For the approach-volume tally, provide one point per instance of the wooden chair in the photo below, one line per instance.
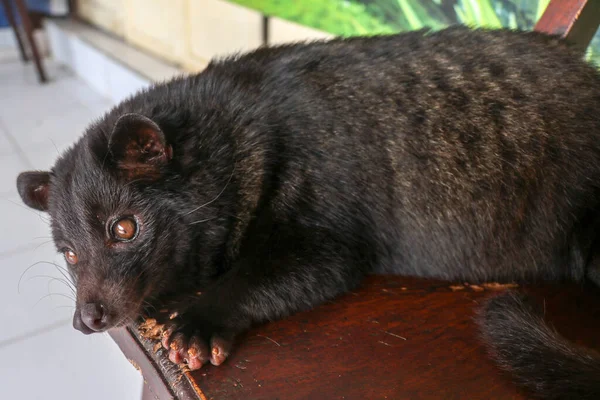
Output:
(394, 338)
(575, 20)
(25, 18)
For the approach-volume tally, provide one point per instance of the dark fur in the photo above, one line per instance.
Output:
(535, 354)
(295, 171)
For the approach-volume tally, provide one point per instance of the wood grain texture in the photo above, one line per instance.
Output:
(392, 338)
(575, 20)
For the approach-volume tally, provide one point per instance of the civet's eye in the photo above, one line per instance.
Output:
(124, 229)
(71, 257)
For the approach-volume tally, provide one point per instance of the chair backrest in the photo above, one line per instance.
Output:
(575, 20)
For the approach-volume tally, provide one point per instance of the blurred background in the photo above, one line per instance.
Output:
(93, 54)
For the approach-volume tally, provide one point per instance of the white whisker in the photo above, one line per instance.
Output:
(202, 220)
(215, 199)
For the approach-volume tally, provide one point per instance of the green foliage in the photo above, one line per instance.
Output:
(345, 18)
(417, 15)
(477, 13)
(593, 52)
(367, 17)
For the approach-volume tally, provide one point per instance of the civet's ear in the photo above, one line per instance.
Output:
(138, 147)
(34, 187)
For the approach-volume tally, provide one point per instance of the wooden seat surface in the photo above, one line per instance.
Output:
(395, 338)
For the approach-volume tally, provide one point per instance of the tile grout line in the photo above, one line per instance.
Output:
(31, 334)
(76, 77)
(19, 249)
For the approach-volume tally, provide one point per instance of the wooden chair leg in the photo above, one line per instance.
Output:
(8, 10)
(265, 30)
(72, 4)
(575, 20)
(26, 21)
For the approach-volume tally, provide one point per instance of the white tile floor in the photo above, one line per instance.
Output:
(41, 355)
